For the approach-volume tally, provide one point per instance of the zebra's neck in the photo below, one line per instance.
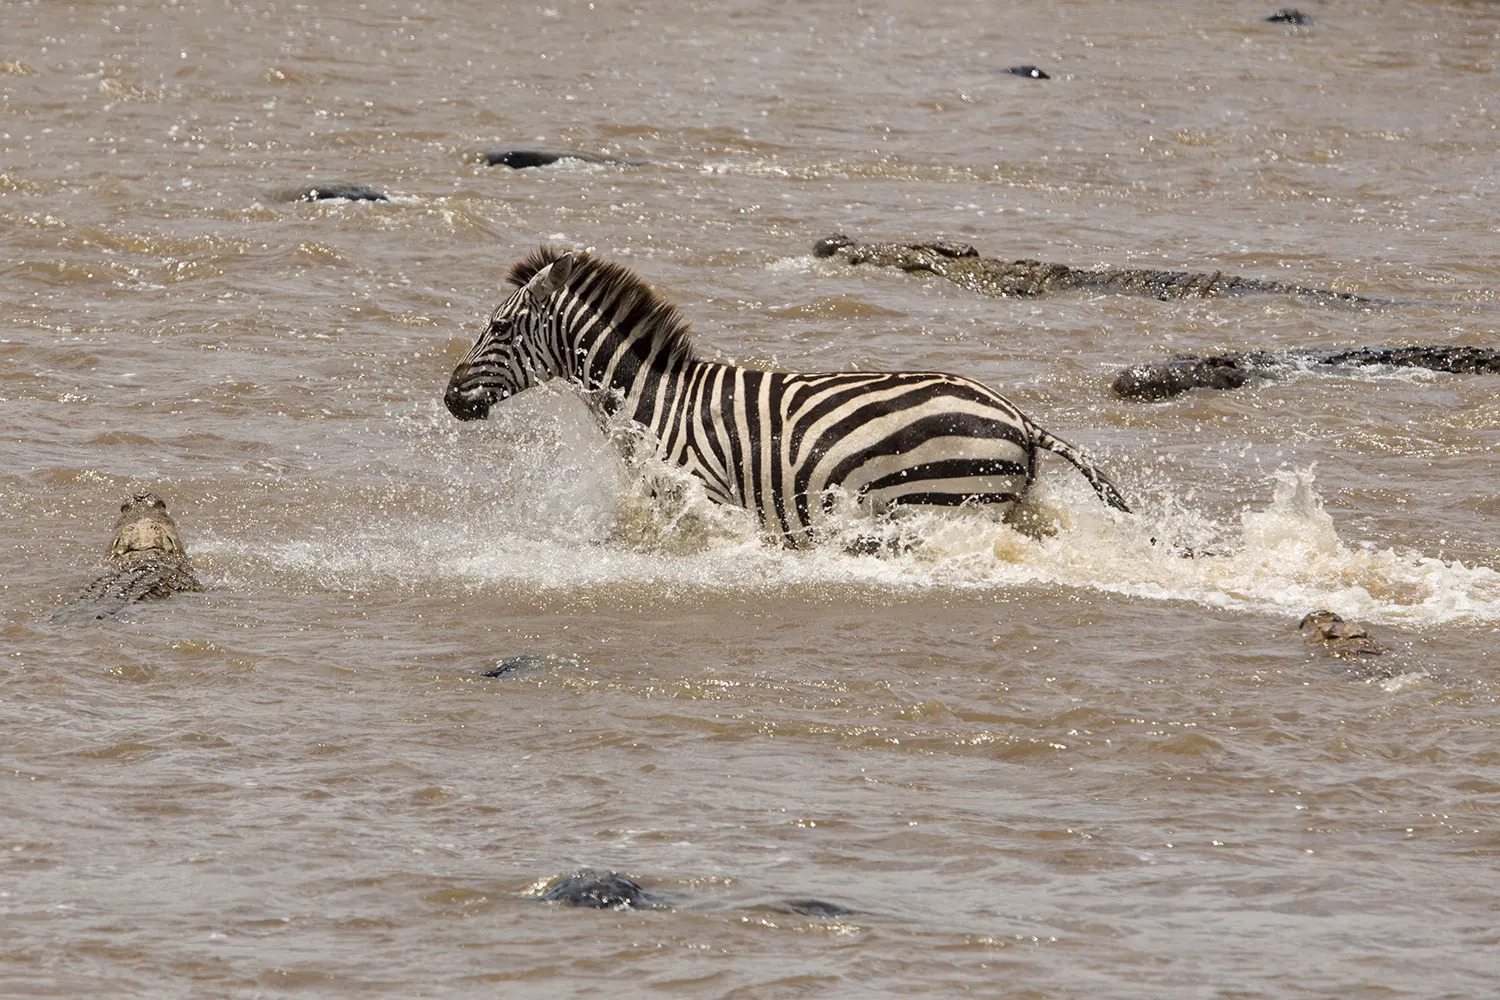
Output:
(625, 369)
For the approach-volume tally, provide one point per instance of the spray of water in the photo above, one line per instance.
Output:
(559, 510)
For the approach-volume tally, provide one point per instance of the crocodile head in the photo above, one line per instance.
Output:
(144, 526)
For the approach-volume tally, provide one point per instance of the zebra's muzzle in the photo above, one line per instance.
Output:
(466, 404)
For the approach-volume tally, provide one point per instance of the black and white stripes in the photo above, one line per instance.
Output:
(779, 443)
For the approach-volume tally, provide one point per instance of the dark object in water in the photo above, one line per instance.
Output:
(1148, 383)
(347, 192)
(510, 665)
(1151, 382)
(601, 890)
(961, 264)
(526, 662)
(147, 561)
(1292, 16)
(520, 159)
(596, 889)
(1030, 72)
(809, 907)
(1326, 632)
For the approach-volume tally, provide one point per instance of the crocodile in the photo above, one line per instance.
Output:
(1349, 644)
(1165, 379)
(601, 890)
(1326, 632)
(809, 907)
(518, 158)
(598, 889)
(962, 264)
(520, 663)
(147, 561)
(1291, 16)
(339, 192)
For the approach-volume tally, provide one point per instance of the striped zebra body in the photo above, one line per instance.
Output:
(781, 444)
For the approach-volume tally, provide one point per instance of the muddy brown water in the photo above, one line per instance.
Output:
(1058, 764)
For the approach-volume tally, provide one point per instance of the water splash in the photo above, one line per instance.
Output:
(1287, 556)
(611, 526)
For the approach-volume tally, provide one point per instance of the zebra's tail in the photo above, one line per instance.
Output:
(1099, 481)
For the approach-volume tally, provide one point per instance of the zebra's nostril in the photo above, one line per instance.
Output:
(466, 406)
(472, 404)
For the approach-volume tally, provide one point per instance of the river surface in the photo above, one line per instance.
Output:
(1056, 762)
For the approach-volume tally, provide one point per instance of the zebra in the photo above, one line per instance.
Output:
(782, 444)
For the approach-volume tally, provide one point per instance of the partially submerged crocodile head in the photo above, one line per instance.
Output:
(145, 532)
(1329, 633)
(146, 559)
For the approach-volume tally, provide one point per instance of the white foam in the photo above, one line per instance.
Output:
(565, 516)
(1288, 556)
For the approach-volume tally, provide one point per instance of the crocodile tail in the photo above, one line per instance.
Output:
(1107, 490)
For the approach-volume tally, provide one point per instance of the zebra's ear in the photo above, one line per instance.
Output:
(550, 278)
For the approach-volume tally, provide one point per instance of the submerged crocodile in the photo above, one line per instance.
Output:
(1326, 632)
(1292, 16)
(1149, 382)
(601, 890)
(146, 561)
(961, 264)
(1348, 643)
(337, 192)
(596, 889)
(521, 158)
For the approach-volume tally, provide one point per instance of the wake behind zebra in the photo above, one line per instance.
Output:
(784, 445)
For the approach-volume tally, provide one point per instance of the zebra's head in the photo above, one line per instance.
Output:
(514, 352)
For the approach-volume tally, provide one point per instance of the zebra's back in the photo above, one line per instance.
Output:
(784, 444)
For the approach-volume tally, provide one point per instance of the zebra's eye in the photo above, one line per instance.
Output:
(505, 330)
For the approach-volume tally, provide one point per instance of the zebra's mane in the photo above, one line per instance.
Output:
(637, 305)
